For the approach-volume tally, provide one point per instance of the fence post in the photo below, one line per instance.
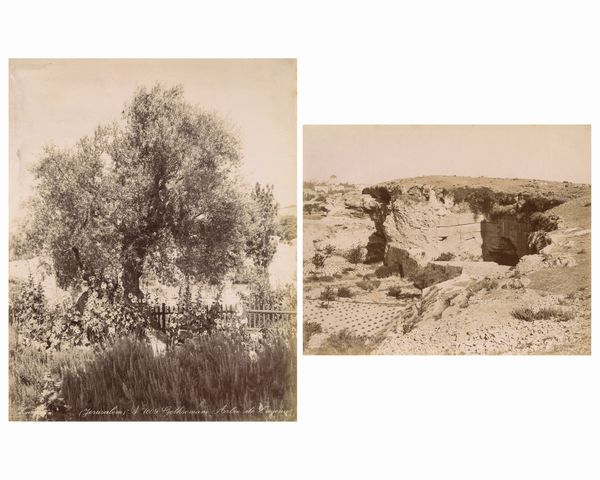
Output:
(163, 316)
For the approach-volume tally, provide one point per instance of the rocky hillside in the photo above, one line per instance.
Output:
(445, 214)
(504, 264)
(463, 265)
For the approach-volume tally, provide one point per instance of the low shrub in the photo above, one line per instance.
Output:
(547, 313)
(318, 260)
(543, 221)
(345, 292)
(538, 203)
(394, 291)
(328, 294)
(309, 329)
(500, 211)
(445, 257)
(354, 254)
(368, 284)
(384, 271)
(345, 342)
(479, 199)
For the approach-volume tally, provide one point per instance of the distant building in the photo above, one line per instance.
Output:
(333, 180)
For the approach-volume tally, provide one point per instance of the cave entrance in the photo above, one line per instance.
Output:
(506, 253)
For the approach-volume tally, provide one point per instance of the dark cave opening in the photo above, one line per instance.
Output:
(503, 253)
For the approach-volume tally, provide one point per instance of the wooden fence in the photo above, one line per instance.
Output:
(257, 317)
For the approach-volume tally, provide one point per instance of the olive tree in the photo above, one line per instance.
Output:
(157, 192)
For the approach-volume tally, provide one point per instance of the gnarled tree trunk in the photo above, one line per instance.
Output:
(131, 280)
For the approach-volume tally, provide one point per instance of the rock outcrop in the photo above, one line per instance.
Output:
(413, 264)
(423, 218)
(461, 216)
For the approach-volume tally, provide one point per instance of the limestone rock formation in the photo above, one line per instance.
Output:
(408, 262)
(496, 220)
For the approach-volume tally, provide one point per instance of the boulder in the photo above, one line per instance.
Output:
(516, 283)
(530, 263)
(409, 262)
(409, 293)
(477, 269)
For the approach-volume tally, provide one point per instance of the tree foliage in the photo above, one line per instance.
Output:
(261, 245)
(156, 191)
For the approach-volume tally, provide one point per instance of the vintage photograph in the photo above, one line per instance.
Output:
(152, 262)
(447, 239)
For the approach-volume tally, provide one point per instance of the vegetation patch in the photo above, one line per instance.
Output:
(385, 271)
(394, 291)
(354, 254)
(543, 221)
(345, 292)
(287, 227)
(548, 313)
(201, 376)
(345, 342)
(327, 295)
(368, 284)
(309, 329)
(445, 257)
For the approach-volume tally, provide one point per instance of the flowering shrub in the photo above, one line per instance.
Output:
(62, 326)
(191, 319)
(29, 311)
(106, 322)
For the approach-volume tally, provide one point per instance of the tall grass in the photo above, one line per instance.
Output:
(31, 370)
(27, 370)
(214, 377)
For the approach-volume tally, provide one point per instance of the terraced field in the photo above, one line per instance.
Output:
(361, 318)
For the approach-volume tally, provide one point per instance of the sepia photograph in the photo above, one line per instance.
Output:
(152, 240)
(447, 240)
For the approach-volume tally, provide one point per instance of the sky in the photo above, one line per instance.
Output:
(376, 153)
(59, 101)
